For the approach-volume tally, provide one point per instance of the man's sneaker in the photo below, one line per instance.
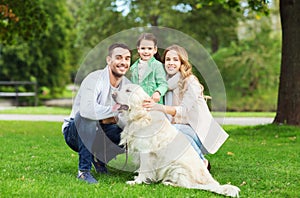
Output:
(100, 167)
(87, 177)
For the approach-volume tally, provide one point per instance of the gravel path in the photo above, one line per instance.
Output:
(59, 118)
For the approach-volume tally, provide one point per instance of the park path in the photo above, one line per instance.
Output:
(244, 121)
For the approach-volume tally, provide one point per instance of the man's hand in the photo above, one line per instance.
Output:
(111, 120)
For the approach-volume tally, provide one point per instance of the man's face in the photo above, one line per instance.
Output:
(119, 61)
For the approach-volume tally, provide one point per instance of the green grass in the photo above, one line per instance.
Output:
(244, 114)
(263, 161)
(40, 110)
(66, 111)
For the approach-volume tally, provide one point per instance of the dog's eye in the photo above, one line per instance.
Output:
(128, 90)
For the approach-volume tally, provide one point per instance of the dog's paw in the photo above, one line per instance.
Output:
(230, 190)
(148, 180)
(168, 183)
(133, 182)
(136, 181)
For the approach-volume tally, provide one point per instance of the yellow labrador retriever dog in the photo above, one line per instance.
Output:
(165, 155)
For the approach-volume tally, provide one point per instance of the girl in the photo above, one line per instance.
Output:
(147, 71)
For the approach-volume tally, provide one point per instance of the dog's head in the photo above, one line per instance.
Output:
(130, 98)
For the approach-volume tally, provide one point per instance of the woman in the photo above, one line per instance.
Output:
(186, 106)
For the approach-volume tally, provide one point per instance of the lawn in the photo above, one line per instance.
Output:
(40, 110)
(263, 161)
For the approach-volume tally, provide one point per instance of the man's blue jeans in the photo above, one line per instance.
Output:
(92, 140)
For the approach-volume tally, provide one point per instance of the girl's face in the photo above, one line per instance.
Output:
(146, 50)
(172, 62)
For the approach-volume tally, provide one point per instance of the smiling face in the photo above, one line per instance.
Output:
(146, 49)
(172, 62)
(119, 61)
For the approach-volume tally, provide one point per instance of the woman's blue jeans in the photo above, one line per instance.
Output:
(192, 137)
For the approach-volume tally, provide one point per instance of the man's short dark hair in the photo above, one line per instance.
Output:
(116, 45)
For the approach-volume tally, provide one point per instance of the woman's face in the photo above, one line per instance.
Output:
(172, 62)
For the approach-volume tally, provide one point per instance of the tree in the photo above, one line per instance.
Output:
(214, 25)
(96, 21)
(288, 107)
(43, 54)
(250, 68)
(24, 20)
(189, 17)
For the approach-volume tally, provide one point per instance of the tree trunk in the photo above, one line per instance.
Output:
(288, 108)
(214, 43)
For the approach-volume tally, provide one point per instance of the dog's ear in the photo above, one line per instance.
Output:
(136, 110)
(137, 97)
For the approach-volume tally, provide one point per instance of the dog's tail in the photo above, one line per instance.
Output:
(227, 189)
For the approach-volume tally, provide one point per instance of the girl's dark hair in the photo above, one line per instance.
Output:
(149, 37)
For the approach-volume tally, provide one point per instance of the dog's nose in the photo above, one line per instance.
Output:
(114, 95)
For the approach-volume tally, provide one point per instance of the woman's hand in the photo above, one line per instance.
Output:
(150, 105)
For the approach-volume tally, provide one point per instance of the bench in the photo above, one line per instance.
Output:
(206, 98)
(18, 93)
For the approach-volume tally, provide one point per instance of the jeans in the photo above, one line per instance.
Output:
(92, 141)
(192, 137)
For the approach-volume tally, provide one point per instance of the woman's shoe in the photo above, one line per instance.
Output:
(208, 166)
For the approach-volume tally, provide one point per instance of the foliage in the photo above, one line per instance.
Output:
(45, 59)
(255, 5)
(250, 70)
(96, 21)
(213, 25)
(21, 19)
(249, 159)
(93, 27)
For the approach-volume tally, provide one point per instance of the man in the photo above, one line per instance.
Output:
(92, 129)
